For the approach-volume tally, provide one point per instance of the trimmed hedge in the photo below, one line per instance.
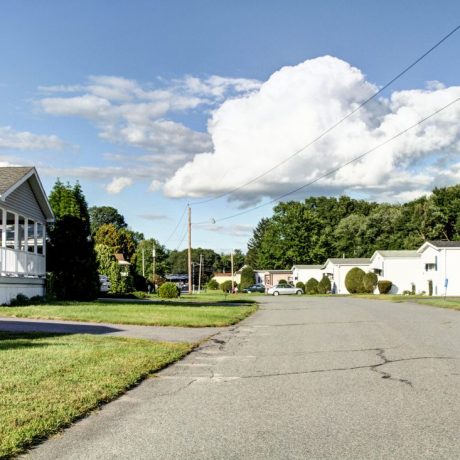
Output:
(300, 285)
(354, 281)
(324, 286)
(168, 291)
(384, 286)
(226, 286)
(248, 277)
(282, 282)
(370, 282)
(311, 287)
(212, 284)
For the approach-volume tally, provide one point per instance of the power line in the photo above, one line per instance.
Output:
(328, 130)
(334, 170)
(177, 225)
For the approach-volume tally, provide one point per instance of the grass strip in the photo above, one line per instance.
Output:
(48, 381)
(135, 313)
(452, 303)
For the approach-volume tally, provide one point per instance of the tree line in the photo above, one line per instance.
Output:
(311, 231)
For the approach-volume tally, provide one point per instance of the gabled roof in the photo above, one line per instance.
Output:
(444, 244)
(402, 253)
(349, 261)
(12, 177)
(121, 259)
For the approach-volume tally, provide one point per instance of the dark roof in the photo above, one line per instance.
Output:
(9, 175)
(445, 244)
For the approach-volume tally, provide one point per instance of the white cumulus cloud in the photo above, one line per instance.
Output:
(257, 131)
(24, 140)
(118, 184)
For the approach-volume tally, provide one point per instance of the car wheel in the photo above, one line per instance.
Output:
(299, 292)
(276, 293)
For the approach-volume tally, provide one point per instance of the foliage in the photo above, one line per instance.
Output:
(226, 286)
(282, 282)
(169, 291)
(384, 286)
(224, 264)
(324, 286)
(300, 285)
(144, 251)
(311, 287)
(72, 260)
(248, 277)
(311, 231)
(370, 282)
(101, 215)
(212, 284)
(354, 281)
(121, 241)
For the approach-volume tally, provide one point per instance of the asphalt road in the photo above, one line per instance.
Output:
(304, 378)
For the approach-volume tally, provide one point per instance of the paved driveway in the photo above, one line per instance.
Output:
(334, 378)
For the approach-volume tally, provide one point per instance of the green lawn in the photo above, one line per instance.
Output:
(47, 381)
(150, 314)
(450, 302)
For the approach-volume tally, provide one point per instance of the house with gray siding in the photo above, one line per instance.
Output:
(24, 213)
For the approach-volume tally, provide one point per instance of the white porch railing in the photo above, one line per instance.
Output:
(20, 263)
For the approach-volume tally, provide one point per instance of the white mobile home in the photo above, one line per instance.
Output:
(336, 270)
(440, 265)
(402, 268)
(305, 272)
(24, 212)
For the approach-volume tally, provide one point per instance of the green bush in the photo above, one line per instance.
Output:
(212, 284)
(412, 290)
(370, 282)
(311, 287)
(324, 286)
(20, 300)
(354, 281)
(384, 286)
(282, 282)
(226, 286)
(169, 291)
(300, 285)
(248, 277)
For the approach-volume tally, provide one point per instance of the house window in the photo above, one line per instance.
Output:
(430, 267)
(40, 237)
(30, 235)
(21, 233)
(10, 230)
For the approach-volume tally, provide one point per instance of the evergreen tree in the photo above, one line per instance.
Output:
(71, 259)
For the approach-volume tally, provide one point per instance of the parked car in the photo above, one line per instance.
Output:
(282, 289)
(255, 288)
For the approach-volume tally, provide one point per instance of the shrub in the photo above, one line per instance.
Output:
(300, 285)
(248, 277)
(20, 300)
(412, 288)
(354, 281)
(212, 284)
(312, 286)
(226, 286)
(36, 300)
(370, 282)
(169, 291)
(282, 282)
(140, 294)
(324, 286)
(384, 286)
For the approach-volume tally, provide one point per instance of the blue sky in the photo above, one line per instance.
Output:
(150, 104)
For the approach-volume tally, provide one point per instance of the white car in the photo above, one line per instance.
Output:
(281, 289)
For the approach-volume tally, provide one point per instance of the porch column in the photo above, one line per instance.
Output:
(16, 241)
(3, 242)
(26, 243)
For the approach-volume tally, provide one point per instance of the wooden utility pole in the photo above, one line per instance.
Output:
(143, 263)
(154, 255)
(199, 274)
(190, 281)
(231, 264)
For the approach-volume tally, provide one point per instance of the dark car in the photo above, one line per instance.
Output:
(255, 288)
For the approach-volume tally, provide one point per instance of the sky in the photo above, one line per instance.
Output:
(152, 105)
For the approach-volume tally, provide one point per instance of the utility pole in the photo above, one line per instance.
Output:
(190, 280)
(154, 254)
(231, 264)
(199, 274)
(143, 263)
